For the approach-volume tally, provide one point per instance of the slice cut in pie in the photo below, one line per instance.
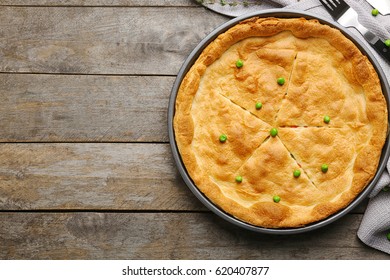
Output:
(260, 184)
(323, 85)
(262, 65)
(334, 148)
(276, 119)
(224, 135)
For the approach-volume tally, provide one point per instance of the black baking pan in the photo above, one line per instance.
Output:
(171, 112)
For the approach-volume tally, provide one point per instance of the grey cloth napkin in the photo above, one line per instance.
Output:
(375, 224)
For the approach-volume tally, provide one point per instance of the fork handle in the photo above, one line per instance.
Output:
(367, 34)
(382, 49)
(374, 41)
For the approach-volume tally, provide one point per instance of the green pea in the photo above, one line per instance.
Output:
(273, 132)
(276, 198)
(388, 236)
(324, 168)
(326, 119)
(239, 63)
(374, 12)
(386, 189)
(238, 179)
(297, 173)
(281, 81)
(387, 43)
(259, 105)
(222, 138)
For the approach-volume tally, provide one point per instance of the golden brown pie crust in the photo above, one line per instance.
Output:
(325, 74)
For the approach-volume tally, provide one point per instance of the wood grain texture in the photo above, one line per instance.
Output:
(84, 84)
(168, 236)
(91, 176)
(94, 3)
(92, 40)
(83, 108)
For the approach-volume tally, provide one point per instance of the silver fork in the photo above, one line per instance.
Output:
(348, 17)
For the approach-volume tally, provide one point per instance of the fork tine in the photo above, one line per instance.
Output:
(341, 4)
(335, 7)
(327, 5)
(333, 3)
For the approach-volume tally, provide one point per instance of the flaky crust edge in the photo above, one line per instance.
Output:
(274, 215)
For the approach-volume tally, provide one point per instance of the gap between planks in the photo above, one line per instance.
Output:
(99, 3)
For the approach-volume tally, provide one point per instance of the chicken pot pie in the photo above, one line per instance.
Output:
(281, 122)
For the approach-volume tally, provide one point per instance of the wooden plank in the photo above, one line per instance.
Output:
(83, 108)
(91, 176)
(96, 40)
(94, 3)
(168, 236)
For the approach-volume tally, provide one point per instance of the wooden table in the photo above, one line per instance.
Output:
(86, 170)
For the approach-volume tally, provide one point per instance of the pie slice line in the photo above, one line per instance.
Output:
(300, 162)
(297, 162)
(291, 154)
(254, 151)
(300, 165)
(254, 86)
(288, 85)
(244, 109)
(252, 192)
(342, 162)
